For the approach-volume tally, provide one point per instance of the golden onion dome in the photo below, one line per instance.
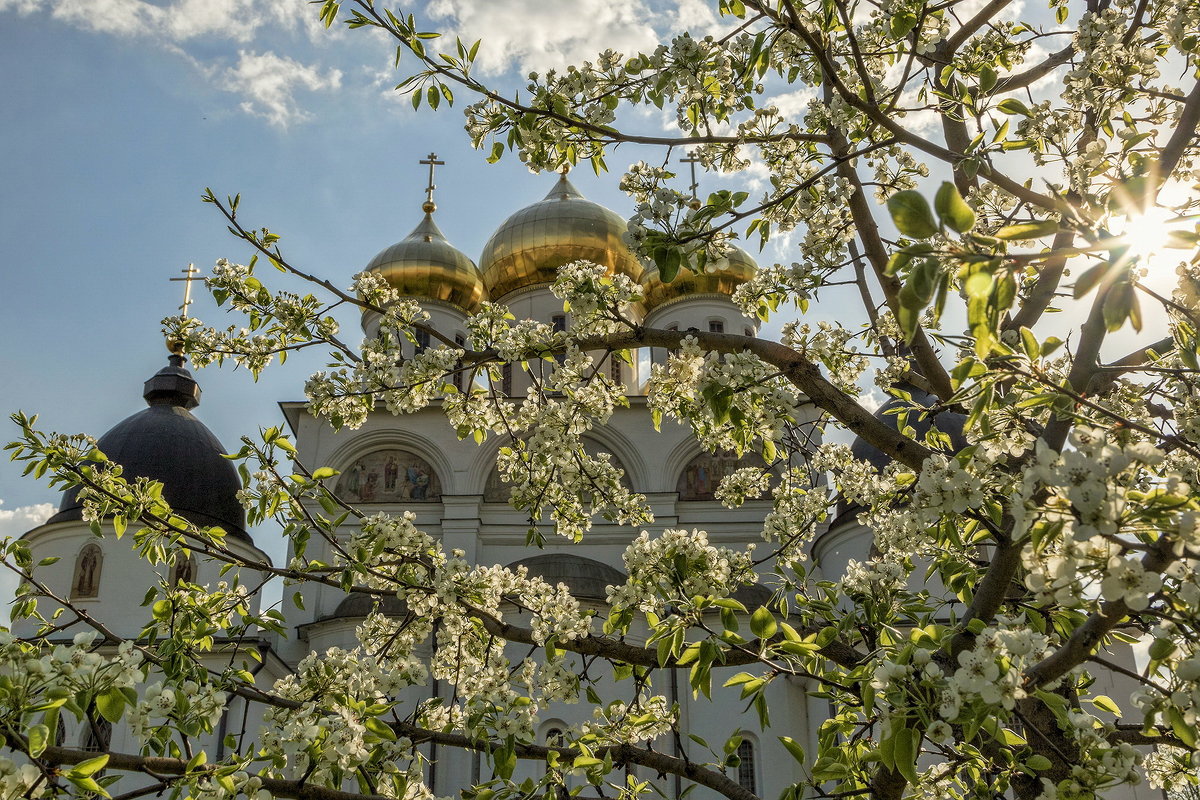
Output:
(533, 243)
(426, 266)
(721, 278)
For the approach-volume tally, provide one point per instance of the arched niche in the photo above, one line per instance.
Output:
(702, 475)
(389, 475)
(496, 490)
(85, 582)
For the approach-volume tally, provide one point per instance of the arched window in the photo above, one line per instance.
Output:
(746, 767)
(614, 365)
(97, 734)
(716, 326)
(86, 582)
(184, 570)
(506, 379)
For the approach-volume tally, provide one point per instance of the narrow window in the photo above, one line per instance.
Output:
(422, 338)
(506, 382)
(748, 331)
(614, 366)
(716, 326)
(554, 738)
(745, 776)
(184, 570)
(460, 341)
(97, 733)
(87, 572)
(559, 322)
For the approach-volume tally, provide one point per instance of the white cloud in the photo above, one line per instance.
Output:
(539, 34)
(269, 82)
(14, 523)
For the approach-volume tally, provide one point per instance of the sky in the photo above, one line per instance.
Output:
(117, 115)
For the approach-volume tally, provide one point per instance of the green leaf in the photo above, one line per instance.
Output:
(1106, 703)
(1088, 280)
(1032, 348)
(324, 472)
(111, 705)
(1033, 229)
(912, 215)
(904, 752)
(39, 740)
(952, 209)
(1013, 106)
(1038, 763)
(85, 769)
(794, 748)
(762, 623)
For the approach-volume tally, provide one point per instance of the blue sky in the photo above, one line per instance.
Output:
(118, 113)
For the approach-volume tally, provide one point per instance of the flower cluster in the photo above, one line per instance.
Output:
(675, 567)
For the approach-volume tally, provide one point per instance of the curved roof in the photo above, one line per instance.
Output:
(530, 246)
(358, 605)
(166, 443)
(948, 422)
(425, 265)
(720, 278)
(586, 578)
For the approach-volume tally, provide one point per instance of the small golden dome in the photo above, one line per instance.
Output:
(426, 266)
(720, 278)
(533, 243)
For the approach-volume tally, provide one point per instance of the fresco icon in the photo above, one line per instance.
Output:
(389, 476)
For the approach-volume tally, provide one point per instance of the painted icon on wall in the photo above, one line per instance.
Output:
(704, 473)
(497, 490)
(389, 476)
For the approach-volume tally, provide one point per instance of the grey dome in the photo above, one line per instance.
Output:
(166, 443)
(359, 605)
(948, 422)
(586, 578)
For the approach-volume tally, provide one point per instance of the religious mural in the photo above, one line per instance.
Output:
(704, 473)
(497, 491)
(389, 476)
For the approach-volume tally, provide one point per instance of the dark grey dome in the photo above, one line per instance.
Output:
(948, 422)
(359, 605)
(753, 596)
(166, 443)
(586, 578)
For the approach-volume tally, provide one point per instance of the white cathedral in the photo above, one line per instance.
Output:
(416, 463)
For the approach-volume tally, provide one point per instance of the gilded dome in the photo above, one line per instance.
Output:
(426, 266)
(533, 243)
(721, 278)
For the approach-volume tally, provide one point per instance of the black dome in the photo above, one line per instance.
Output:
(166, 443)
(586, 578)
(948, 422)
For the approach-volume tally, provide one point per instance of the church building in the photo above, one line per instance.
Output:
(415, 462)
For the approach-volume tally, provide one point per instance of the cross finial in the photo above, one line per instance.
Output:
(432, 161)
(189, 275)
(691, 160)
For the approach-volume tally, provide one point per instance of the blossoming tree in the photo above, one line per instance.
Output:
(960, 172)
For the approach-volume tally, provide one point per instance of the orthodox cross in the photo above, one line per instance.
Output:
(691, 161)
(189, 276)
(432, 161)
